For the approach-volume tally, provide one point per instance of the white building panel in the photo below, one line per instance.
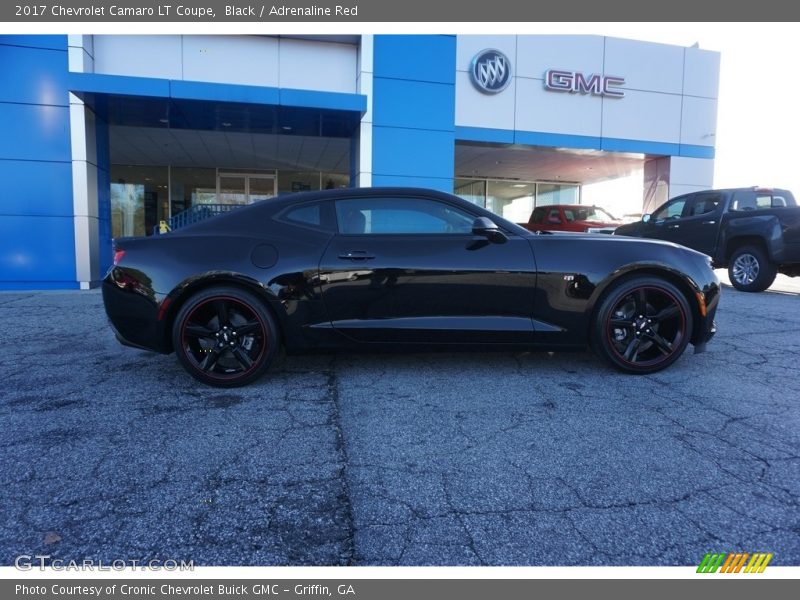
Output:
(644, 65)
(646, 116)
(556, 112)
(536, 54)
(701, 73)
(679, 189)
(80, 53)
(476, 109)
(309, 65)
(467, 46)
(138, 55)
(699, 121)
(242, 60)
(239, 60)
(691, 171)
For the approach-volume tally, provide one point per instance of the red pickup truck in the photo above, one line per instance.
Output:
(571, 217)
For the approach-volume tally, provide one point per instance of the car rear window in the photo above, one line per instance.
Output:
(318, 215)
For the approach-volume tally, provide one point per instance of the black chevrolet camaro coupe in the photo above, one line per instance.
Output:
(399, 268)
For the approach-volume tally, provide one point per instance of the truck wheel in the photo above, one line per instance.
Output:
(750, 270)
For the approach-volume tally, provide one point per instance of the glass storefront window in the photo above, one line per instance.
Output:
(191, 186)
(335, 181)
(471, 190)
(511, 200)
(290, 182)
(138, 199)
(297, 181)
(143, 196)
(554, 193)
(127, 209)
(515, 200)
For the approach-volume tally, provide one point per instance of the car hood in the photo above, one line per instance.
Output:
(599, 223)
(628, 228)
(608, 239)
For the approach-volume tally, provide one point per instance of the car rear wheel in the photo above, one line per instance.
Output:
(643, 325)
(750, 270)
(225, 337)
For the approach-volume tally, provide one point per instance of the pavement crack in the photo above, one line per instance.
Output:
(332, 394)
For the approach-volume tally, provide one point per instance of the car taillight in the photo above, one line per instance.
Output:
(118, 254)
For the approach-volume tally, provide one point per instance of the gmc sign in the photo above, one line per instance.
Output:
(578, 83)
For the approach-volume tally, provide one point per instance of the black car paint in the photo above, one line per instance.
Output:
(534, 290)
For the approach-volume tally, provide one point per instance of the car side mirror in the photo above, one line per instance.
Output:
(646, 218)
(485, 227)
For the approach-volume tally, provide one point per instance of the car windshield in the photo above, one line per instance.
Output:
(587, 213)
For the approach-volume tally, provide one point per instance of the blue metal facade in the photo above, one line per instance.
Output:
(413, 135)
(37, 235)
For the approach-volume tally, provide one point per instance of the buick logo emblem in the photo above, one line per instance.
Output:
(490, 71)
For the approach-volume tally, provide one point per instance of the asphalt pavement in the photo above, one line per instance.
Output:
(110, 453)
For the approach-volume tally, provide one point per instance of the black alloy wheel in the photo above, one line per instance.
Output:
(643, 325)
(225, 337)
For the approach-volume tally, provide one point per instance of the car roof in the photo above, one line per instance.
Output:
(273, 206)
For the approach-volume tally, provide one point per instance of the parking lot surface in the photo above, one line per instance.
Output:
(442, 459)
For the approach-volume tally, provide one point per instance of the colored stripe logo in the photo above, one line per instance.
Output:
(735, 562)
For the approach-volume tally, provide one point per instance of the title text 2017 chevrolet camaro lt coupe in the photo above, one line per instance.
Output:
(399, 268)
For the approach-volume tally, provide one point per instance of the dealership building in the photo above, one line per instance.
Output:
(113, 135)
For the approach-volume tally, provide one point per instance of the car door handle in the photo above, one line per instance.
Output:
(675, 226)
(709, 222)
(356, 255)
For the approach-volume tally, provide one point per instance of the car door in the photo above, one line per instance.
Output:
(409, 269)
(699, 225)
(665, 222)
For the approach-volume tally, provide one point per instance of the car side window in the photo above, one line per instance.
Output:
(401, 215)
(317, 215)
(671, 210)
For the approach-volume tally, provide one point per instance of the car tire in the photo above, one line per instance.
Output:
(750, 270)
(225, 337)
(643, 324)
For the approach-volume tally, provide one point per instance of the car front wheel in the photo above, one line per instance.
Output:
(225, 337)
(643, 325)
(750, 270)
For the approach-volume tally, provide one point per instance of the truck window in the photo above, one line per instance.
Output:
(744, 201)
(705, 204)
(779, 202)
(671, 210)
(762, 199)
(538, 215)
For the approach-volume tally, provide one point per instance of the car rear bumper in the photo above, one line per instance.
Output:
(133, 316)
